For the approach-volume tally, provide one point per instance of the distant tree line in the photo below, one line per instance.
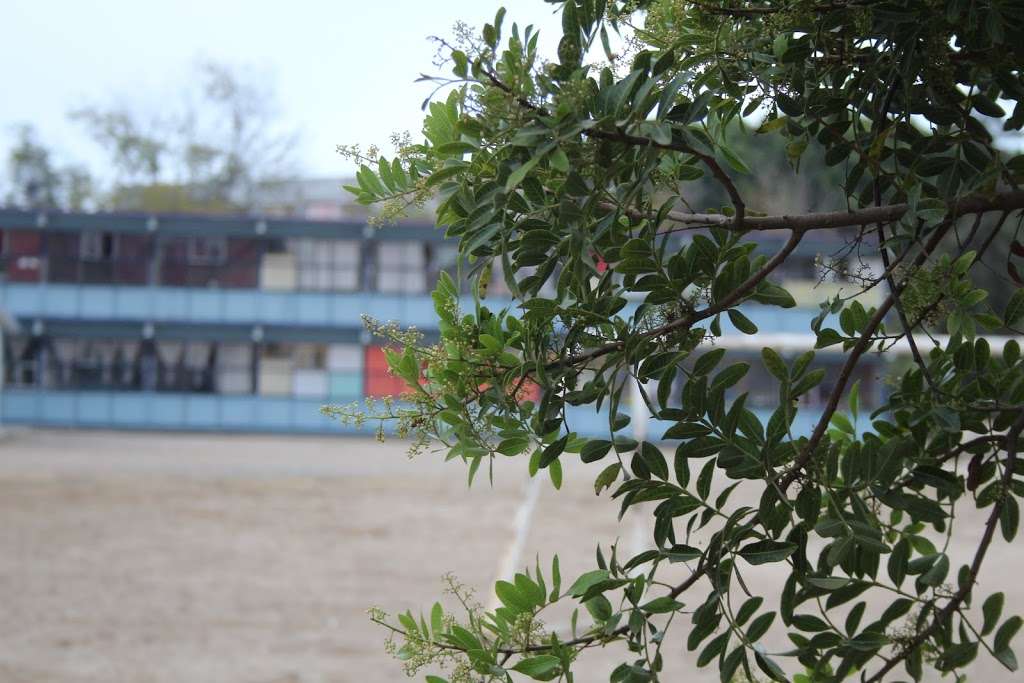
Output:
(211, 152)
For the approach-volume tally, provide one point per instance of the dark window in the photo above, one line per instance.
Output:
(207, 251)
(97, 246)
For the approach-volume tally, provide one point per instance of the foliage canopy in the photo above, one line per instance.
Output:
(575, 177)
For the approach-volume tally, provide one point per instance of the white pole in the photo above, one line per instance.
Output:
(3, 374)
(640, 415)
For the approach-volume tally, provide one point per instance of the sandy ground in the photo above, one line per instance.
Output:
(195, 558)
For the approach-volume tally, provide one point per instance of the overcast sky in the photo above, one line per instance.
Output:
(343, 69)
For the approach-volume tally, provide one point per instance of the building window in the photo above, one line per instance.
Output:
(97, 246)
(234, 369)
(402, 267)
(326, 265)
(207, 251)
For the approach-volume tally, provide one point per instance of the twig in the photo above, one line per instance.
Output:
(740, 208)
(862, 345)
(1012, 438)
(971, 204)
(685, 321)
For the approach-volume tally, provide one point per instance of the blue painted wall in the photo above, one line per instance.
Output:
(227, 413)
(199, 306)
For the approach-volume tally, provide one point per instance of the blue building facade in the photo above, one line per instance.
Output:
(234, 324)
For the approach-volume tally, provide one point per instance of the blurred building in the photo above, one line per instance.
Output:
(170, 321)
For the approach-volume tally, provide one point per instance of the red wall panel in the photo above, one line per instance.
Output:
(24, 262)
(379, 381)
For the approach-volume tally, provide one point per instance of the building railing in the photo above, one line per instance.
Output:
(192, 412)
(338, 311)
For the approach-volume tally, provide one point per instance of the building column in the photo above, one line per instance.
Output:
(153, 266)
(367, 261)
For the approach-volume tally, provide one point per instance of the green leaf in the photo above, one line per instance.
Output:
(559, 161)
(808, 381)
(595, 450)
(661, 605)
(511, 597)
(759, 626)
(774, 364)
(748, 609)
(668, 95)
(827, 337)
(555, 472)
(537, 667)
(773, 295)
(713, 648)
(742, 322)
(897, 563)
(963, 263)
(1006, 632)
(607, 477)
(552, 451)
(772, 125)
(733, 160)
(708, 361)
(1009, 518)
(936, 574)
(732, 374)
(1015, 307)
(436, 619)
(828, 582)
(556, 579)
(686, 430)
(513, 445)
(842, 423)
(408, 622)
(530, 589)
(991, 611)
(682, 553)
(1007, 658)
(585, 581)
(1001, 642)
(654, 460)
(810, 623)
(767, 665)
(517, 176)
(763, 552)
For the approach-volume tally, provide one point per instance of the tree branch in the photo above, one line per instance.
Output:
(708, 160)
(1009, 200)
(863, 344)
(686, 321)
(1012, 439)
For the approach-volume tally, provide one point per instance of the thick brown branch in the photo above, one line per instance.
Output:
(1010, 200)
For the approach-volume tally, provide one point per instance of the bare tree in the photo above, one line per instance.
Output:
(222, 144)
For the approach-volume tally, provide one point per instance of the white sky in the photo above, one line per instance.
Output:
(343, 70)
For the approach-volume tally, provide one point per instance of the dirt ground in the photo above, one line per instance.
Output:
(220, 558)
